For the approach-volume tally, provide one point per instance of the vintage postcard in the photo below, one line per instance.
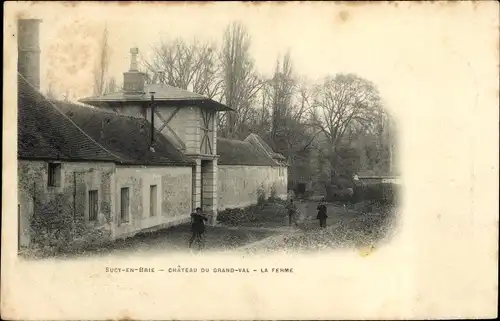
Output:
(250, 160)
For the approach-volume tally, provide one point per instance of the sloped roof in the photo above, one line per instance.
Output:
(237, 152)
(58, 130)
(257, 141)
(125, 136)
(163, 93)
(45, 133)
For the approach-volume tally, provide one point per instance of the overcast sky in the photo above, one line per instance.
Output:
(405, 52)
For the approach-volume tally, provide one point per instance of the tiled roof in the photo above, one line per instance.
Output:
(60, 130)
(124, 136)
(45, 133)
(163, 93)
(257, 141)
(237, 152)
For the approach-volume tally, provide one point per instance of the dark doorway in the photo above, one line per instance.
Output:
(205, 165)
(193, 188)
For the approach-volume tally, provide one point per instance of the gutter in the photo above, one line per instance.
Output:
(200, 102)
(118, 162)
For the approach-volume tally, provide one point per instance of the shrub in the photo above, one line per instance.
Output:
(52, 223)
(382, 193)
(54, 228)
(254, 214)
(261, 195)
(273, 194)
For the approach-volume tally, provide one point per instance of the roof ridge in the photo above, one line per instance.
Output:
(69, 119)
(178, 88)
(101, 111)
(233, 140)
(263, 147)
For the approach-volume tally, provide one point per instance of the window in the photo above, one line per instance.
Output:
(93, 205)
(153, 200)
(124, 204)
(54, 175)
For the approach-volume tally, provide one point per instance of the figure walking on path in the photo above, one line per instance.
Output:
(322, 216)
(198, 227)
(292, 213)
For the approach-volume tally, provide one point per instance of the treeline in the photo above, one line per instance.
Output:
(327, 131)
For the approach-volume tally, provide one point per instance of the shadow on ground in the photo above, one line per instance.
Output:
(163, 242)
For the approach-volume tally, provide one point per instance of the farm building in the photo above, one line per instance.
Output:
(139, 159)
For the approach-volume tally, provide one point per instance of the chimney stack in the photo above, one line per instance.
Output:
(133, 59)
(133, 80)
(28, 50)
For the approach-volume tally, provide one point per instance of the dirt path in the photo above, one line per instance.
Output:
(345, 229)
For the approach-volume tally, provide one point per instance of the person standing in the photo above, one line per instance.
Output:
(197, 227)
(322, 216)
(292, 213)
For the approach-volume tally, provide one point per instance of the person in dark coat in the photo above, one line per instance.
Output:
(197, 227)
(322, 216)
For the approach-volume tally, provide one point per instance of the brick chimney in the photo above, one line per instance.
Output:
(28, 50)
(133, 80)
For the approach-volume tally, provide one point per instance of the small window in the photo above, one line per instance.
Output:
(54, 175)
(153, 200)
(124, 204)
(93, 205)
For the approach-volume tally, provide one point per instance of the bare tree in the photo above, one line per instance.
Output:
(283, 86)
(101, 67)
(191, 66)
(290, 102)
(67, 96)
(111, 86)
(341, 102)
(239, 80)
(50, 93)
(386, 136)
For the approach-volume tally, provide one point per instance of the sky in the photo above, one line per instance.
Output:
(387, 44)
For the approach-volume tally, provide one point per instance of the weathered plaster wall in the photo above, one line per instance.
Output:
(174, 186)
(77, 179)
(182, 128)
(238, 185)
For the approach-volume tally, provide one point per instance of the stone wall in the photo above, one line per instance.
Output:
(174, 188)
(238, 185)
(77, 179)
